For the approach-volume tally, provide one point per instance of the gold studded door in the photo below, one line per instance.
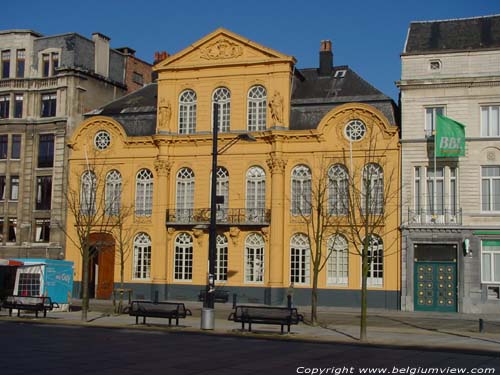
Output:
(436, 286)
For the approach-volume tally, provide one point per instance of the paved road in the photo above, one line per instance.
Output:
(29, 348)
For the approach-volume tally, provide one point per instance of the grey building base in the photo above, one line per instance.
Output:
(264, 295)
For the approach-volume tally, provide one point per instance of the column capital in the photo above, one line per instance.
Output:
(276, 164)
(163, 166)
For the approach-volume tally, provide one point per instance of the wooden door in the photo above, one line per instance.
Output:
(106, 261)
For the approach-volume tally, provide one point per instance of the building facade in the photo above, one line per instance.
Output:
(451, 211)
(306, 124)
(46, 84)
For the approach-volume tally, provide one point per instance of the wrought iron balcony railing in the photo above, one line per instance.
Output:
(226, 216)
(424, 216)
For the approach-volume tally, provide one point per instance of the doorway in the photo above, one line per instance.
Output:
(102, 266)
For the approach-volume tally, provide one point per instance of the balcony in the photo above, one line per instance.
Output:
(225, 217)
(438, 217)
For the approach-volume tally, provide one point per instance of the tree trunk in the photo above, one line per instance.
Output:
(85, 283)
(364, 292)
(314, 300)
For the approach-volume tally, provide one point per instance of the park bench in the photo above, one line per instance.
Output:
(30, 303)
(220, 295)
(169, 310)
(283, 316)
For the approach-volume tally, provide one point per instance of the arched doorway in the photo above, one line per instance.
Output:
(102, 266)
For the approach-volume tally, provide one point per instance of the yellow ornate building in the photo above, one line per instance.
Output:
(151, 150)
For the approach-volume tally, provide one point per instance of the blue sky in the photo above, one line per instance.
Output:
(366, 35)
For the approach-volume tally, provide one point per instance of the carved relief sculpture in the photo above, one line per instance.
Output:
(164, 114)
(276, 105)
(221, 49)
(162, 167)
(276, 165)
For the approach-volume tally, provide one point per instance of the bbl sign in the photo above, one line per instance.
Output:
(450, 137)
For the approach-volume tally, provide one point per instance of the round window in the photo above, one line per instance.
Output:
(102, 140)
(355, 130)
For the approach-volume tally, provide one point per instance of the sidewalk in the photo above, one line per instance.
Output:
(456, 332)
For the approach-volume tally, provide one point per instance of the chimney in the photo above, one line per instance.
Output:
(160, 56)
(325, 58)
(101, 54)
(127, 51)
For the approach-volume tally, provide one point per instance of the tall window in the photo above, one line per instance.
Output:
(301, 190)
(49, 103)
(184, 195)
(88, 193)
(2, 190)
(338, 183)
(16, 147)
(417, 189)
(222, 98)
(222, 191)
(338, 262)
(55, 62)
(12, 234)
(221, 258)
(430, 118)
(490, 188)
(435, 191)
(4, 106)
(144, 193)
(257, 105)
(300, 259)
(46, 151)
(376, 255)
(187, 112)
(254, 258)
(372, 189)
(5, 64)
(142, 256)
(183, 261)
(113, 192)
(20, 63)
(490, 261)
(256, 194)
(14, 188)
(42, 230)
(490, 121)
(45, 64)
(43, 192)
(4, 144)
(18, 105)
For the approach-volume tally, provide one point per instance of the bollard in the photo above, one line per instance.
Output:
(234, 300)
(156, 296)
(481, 325)
(289, 301)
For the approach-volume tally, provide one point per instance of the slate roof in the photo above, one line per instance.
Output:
(453, 35)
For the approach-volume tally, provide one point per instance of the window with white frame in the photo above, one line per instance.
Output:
(417, 189)
(256, 194)
(88, 193)
(338, 261)
(222, 98)
(183, 261)
(4, 106)
(5, 64)
(184, 195)
(490, 261)
(49, 105)
(42, 230)
(254, 258)
(490, 188)
(301, 190)
(300, 259)
(14, 188)
(222, 191)
(372, 191)
(29, 284)
(257, 106)
(338, 190)
(142, 256)
(113, 192)
(221, 258)
(430, 118)
(187, 112)
(376, 262)
(435, 191)
(144, 193)
(490, 121)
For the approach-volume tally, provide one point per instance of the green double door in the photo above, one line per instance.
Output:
(435, 286)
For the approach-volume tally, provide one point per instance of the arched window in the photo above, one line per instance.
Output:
(301, 190)
(254, 258)
(257, 105)
(142, 256)
(338, 182)
(256, 195)
(184, 195)
(183, 261)
(376, 260)
(300, 259)
(113, 192)
(221, 258)
(372, 198)
(222, 98)
(187, 112)
(144, 193)
(223, 191)
(88, 193)
(338, 262)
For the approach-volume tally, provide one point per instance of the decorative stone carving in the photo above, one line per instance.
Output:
(265, 233)
(164, 114)
(490, 155)
(221, 49)
(162, 167)
(276, 165)
(142, 219)
(170, 231)
(234, 233)
(276, 106)
(198, 234)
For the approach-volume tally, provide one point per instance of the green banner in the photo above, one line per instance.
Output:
(450, 137)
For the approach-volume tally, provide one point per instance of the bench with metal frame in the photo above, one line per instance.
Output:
(283, 316)
(29, 303)
(150, 309)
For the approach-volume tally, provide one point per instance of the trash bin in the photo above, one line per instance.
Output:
(207, 318)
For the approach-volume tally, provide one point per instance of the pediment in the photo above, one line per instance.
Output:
(222, 47)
